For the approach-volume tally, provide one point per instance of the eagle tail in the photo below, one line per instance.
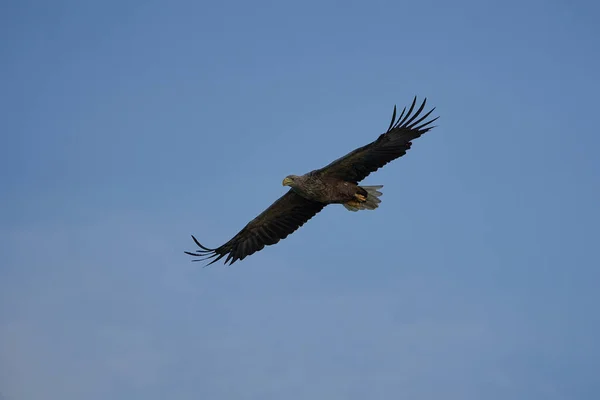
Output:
(372, 201)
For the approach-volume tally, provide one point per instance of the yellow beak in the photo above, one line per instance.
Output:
(287, 181)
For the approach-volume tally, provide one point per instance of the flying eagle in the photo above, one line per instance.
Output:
(337, 183)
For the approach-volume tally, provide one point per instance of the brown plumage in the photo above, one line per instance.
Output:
(336, 183)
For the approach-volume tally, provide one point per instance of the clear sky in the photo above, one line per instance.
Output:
(129, 125)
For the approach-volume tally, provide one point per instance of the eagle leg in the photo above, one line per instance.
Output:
(360, 198)
(353, 203)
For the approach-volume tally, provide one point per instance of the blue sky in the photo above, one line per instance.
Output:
(128, 126)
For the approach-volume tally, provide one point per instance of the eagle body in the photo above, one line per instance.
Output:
(324, 190)
(329, 190)
(336, 183)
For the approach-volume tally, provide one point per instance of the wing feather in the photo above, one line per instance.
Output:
(282, 218)
(358, 164)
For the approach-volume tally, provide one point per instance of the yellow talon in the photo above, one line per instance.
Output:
(360, 197)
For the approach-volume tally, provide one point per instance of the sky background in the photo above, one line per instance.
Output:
(129, 125)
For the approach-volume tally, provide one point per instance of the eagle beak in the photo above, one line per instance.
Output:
(287, 181)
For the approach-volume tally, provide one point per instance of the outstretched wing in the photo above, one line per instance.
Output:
(282, 218)
(358, 164)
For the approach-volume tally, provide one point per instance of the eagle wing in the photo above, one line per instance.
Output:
(283, 217)
(358, 164)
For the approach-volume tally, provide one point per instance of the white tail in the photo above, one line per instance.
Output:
(372, 199)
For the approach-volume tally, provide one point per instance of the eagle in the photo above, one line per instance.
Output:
(336, 183)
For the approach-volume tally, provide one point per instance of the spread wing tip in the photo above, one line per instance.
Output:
(410, 121)
(205, 254)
